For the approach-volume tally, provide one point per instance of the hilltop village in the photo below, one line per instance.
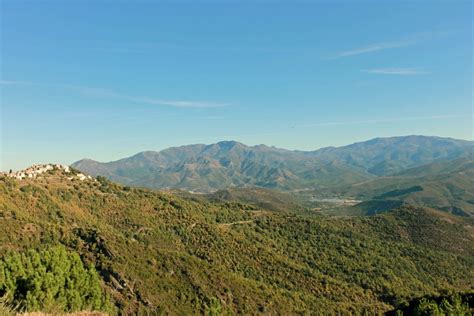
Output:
(36, 170)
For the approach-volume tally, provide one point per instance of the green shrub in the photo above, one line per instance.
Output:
(51, 280)
(454, 304)
(449, 306)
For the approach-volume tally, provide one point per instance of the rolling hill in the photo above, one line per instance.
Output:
(447, 186)
(266, 199)
(387, 156)
(156, 252)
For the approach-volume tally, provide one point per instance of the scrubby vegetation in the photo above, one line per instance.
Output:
(256, 198)
(454, 304)
(50, 280)
(159, 253)
(445, 185)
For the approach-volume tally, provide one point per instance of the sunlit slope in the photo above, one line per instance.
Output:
(260, 198)
(158, 252)
(447, 186)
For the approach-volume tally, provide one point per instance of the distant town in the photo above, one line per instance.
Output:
(34, 171)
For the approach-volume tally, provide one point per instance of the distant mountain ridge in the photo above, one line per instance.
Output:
(233, 164)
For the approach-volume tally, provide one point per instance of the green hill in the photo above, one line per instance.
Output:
(446, 186)
(156, 252)
(261, 198)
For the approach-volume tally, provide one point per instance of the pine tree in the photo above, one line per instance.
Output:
(51, 280)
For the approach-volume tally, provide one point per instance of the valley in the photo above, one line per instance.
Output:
(381, 173)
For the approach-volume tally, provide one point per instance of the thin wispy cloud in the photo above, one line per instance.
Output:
(391, 44)
(105, 93)
(174, 103)
(396, 71)
(373, 48)
(211, 118)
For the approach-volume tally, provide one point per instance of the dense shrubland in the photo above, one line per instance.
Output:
(50, 280)
(158, 253)
(446, 305)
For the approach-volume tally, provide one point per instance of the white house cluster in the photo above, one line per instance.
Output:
(35, 170)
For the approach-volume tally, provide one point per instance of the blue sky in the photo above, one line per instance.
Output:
(107, 79)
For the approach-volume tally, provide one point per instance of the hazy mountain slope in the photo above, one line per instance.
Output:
(222, 165)
(436, 169)
(229, 163)
(385, 156)
(139, 165)
(447, 186)
(163, 254)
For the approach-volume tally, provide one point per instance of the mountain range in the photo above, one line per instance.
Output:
(206, 168)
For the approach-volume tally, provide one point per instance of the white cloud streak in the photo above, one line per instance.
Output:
(385, 45)
(396, 71)
(104, 93)
(374, 48)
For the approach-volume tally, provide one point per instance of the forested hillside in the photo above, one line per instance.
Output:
(447, 186)
(266, 199)
(160, 253)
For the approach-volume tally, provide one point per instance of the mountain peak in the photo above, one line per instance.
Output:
(87, 160)
(228, 144)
